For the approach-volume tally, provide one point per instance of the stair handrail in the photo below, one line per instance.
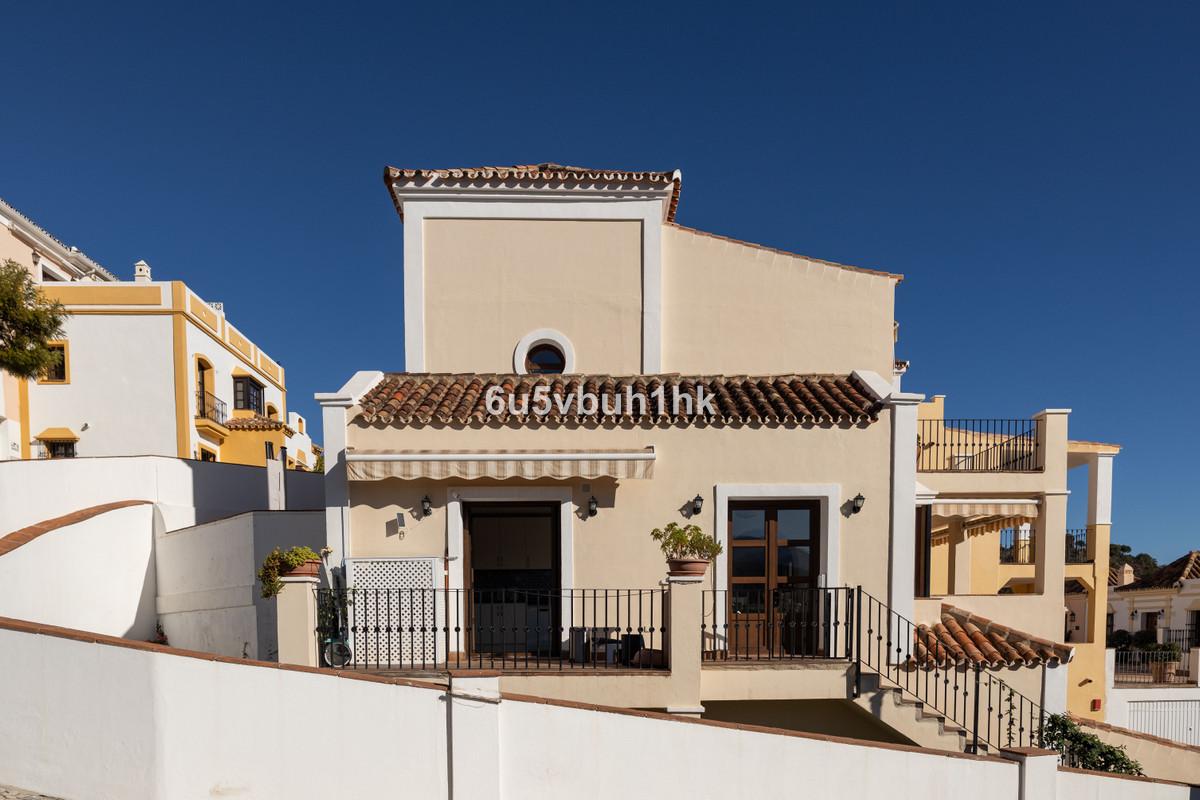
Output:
(1018, 720)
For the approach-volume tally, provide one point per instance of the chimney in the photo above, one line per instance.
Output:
(1126, 576)
(141, 272)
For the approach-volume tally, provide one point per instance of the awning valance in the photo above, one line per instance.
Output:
(985, 508)
(57, 435)
(472, 464)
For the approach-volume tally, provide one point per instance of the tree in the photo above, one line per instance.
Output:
(28, 322)
(1143, 563)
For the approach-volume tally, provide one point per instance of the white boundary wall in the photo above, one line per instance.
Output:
(95, 575)
(188, 492)
(101, 720)
(208, 597)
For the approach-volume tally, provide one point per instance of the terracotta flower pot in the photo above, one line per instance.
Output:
(686, 566)
(309, 569)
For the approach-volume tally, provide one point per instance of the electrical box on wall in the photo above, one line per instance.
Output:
(1097, 703)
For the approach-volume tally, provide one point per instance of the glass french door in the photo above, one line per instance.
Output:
(775, 602)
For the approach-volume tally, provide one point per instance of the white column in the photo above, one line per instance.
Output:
(903, 539)
(335, 408)
(1100, 474)
(1054, 688)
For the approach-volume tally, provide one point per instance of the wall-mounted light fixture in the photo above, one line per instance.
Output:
(697, 505)
(426, 506)
(1071, 617)
(856, 505)
(593, 506)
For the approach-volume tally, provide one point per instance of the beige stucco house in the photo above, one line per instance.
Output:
(579, 369)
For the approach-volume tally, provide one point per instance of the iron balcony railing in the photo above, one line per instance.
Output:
(791, 623)
(1162, 666)
(990, 711)
(1017, 546)
(210, 408)
(514, 629)
(979, 445)
(1077, 546)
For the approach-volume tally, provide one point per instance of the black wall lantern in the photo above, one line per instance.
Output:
(697, 505)
(593, 506)
(426, 506)
(858, 502)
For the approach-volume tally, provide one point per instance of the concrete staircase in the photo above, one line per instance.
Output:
(911, 718)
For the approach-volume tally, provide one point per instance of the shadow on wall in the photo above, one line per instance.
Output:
(96, 574)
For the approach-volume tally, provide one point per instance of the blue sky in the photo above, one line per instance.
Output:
(1032, 170)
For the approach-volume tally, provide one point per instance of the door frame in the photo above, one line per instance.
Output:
(457, 496)
(829, 496)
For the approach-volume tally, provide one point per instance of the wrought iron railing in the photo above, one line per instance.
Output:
(1077, 546)
(979, 445)
(790, 623)
(1154, 667)
(1017, 546)
(905, 657)
(427, 629)
(210, 408)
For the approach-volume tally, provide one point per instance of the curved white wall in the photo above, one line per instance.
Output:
(96, 575)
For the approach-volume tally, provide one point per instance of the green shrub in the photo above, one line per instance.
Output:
(1119, 640)
(1084, 750)
(688, 541)
(1162, 652)
(279, 562)
(1143, 638)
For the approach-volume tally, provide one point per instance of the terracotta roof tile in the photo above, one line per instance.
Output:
(965, 638)
(255, 423)
(421, 399)
(540, 173)
(1184, 568)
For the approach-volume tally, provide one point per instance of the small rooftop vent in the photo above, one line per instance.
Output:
(141, 272)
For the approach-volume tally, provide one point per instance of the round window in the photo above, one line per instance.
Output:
(545, 359)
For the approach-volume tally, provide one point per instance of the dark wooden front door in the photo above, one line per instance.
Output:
(511, 569)
(774, 606)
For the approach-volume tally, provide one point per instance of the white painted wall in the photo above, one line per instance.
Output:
(187, 491)
(122, 387)
(208, 592)
(1080, 786)
(100, 721)
(1175, 603)
(96, 575)
(110, 723)
(300, 442)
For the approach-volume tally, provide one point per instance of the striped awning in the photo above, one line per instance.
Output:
(985, 508)
(472, 464)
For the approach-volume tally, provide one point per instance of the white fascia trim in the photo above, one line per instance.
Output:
(830, 496)
(358, 385)
(993, 500)
(580, 456)
(544, 336)
(648, 212)
(924, 495)
(1046, 411)
(884, 392)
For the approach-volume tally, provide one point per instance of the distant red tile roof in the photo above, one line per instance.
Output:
(1184, 568)
(420, 399)
(965, 638)
(540, 173)
(255, 423)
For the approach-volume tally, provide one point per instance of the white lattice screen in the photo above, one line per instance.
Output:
(395, 611)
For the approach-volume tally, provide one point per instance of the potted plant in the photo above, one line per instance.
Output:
(293, 561)
(1164, 661)
(688, 548)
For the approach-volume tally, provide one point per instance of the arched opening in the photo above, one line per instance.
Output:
(272, 412)
(207, 404)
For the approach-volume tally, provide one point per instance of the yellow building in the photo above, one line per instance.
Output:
(148, 368)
